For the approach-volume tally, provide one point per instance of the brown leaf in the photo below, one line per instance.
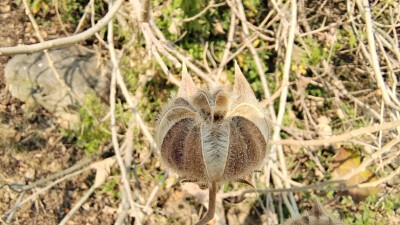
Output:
(343, 163)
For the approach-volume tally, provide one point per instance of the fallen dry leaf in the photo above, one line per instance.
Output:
(103, 169)
(343, 163)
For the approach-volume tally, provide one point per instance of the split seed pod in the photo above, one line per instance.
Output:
(213, 136)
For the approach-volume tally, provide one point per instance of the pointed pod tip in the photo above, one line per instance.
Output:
(187, 86)
(317, 208)
(238, 73)
(237, 68)
(241, 87)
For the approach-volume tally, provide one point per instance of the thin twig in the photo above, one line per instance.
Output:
(83, 17)
(155, 190)
(367, 162)
(209, 6)
(253, 51)
(11, 215)
(124, 205)
(116, 71)
(340, 138)
(42, 190)
(366, 10)
(78, 205)
(77, 166)
(92, 15)
(282, 101)
(55, 2)
(227, 46)
(164, 67)
(21, 49)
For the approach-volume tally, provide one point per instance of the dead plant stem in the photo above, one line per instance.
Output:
(66, 40)
(339, 138)
(116, 70)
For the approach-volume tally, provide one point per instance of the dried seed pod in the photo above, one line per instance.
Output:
(213, 136)
(316, 216)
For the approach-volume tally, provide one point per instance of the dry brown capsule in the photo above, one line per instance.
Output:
(316, 216)
(213, 136)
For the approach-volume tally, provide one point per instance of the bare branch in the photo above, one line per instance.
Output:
(210, 5)
(116, 71)
(42, 190)
(78, 205)
(66, 40)
(365, 8)
(228, 45)
(340, 138)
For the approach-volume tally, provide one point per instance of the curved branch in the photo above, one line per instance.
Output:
(66, 40)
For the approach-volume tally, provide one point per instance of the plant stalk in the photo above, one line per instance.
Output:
(211, 204)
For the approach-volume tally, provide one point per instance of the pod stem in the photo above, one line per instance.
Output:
(211, 204)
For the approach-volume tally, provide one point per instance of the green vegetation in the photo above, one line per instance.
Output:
(88, 134)
(373, 211)
(70, 11)
(111, 187)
